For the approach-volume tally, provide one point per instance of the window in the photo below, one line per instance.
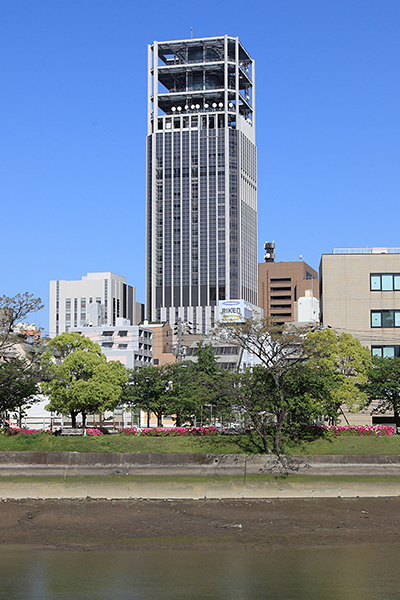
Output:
(122, 346)
(385, 318)
(107, 345)
(385, 351)
(107, 333)
(123, 333)
(280, 279)
(385, 282)
(156, 362)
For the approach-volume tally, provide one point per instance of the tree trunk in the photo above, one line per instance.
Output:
(73, 418)
(278, 433)
(83, 419)
(159, 420)
(267, 449)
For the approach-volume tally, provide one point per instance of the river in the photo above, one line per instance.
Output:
(361, 572)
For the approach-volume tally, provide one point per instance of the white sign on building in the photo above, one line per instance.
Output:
(234, 311)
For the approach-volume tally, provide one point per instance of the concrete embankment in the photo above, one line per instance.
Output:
(187, 476)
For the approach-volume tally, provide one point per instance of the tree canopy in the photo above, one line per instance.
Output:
(275, 408)
(66, 343)
(345, 355)
(179, 389)
(157, 381)
(84, 383)
(383, 386)
(12, 311)
(18, 384)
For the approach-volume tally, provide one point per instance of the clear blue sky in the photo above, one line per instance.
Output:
(73, 128)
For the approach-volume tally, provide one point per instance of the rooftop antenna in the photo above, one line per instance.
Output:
(191, 30)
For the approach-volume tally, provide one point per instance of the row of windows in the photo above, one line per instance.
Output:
(110, 345)
(385, 318)
(385, 351)
(111, 333)
(385, 282)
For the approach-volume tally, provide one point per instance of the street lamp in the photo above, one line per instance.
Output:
(147, 380)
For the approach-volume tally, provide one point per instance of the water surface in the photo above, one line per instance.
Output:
(362, 572)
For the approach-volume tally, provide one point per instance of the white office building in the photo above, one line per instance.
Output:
(97, 299)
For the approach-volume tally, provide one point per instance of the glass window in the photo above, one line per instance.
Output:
(387, 318)
(397, 318)
(388, 351)
(377, 352)
(375, 282)
(387, 282)
(376, 320)
(396, 282)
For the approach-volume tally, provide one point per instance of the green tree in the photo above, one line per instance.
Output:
(277, 347)
(183, 398)
(304, 393)
(345, 355)
(383, 386)
(66, 343)
(13, 310)
(84, 383)
(18, 385)
(196, 387)
(157, 381)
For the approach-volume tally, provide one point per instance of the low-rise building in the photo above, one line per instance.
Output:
(360, 295)
(132, 345)
(162, 343)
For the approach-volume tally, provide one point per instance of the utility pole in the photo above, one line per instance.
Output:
(180, 329)
(179, 348)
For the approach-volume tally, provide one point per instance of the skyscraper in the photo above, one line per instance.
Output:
(201, 179)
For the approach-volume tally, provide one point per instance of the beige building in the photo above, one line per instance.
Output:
(282, 284)
(360, 295)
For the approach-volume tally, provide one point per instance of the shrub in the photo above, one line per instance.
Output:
(373, 430)
(94, 431)
(24, 431)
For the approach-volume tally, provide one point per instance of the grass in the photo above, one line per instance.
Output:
(124, 443)
(349, 445)
(233, 444)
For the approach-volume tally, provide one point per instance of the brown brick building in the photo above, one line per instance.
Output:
(281, 284)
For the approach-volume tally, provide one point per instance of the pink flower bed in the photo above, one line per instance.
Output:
(93, 431)
(171, 431)
(22, 430)
(377, 430)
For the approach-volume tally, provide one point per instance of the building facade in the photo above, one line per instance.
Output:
(132, 345)
(162, 343)
(282, 285)
(360, 295)
(201, 179)
(97, 299)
